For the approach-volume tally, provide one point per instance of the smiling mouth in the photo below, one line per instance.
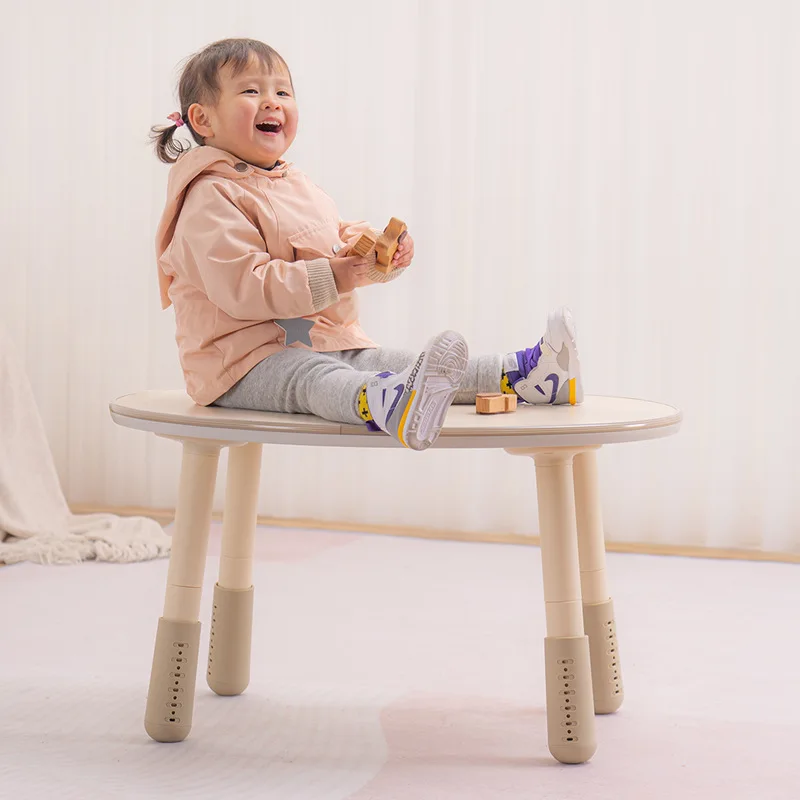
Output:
(270, 127)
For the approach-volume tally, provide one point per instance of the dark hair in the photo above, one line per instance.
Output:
(199, 83)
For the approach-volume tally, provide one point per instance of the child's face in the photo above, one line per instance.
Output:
(251, 98)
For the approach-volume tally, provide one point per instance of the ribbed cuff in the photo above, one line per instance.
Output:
(323, 286)
(376, 276)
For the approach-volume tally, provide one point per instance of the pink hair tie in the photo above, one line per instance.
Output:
(175, 116)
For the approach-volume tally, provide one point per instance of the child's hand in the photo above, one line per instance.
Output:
(404, 253)
(350, 272)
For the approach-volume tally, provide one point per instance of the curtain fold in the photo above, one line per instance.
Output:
(637, 161)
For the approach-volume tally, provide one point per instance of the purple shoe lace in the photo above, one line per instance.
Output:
(527, 360)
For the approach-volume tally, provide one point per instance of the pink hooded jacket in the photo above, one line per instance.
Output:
(239, 247)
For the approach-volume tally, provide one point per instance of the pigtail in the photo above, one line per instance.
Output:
(167, 148)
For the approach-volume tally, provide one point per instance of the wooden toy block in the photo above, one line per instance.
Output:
(387, 243)
(495, 403)
(365, 244)
(384, 245)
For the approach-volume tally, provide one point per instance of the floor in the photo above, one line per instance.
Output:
(391, 668)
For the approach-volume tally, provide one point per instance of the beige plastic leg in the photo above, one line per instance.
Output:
(232, 620)
(170, 699)
(229, 647)
(598, 622)
(598, 608)
(571, 734)
(177, 644)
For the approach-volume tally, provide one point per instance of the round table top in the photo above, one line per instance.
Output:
(598, 420)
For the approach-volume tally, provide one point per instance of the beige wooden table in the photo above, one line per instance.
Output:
(582, 665)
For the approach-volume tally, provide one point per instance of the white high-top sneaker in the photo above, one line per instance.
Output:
(549, 373)
(411, 406)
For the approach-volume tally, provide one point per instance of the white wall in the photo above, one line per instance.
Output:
(637, 160)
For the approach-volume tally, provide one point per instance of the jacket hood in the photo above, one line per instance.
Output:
(197, 161)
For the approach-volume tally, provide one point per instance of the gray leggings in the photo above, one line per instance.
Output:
(327, 384)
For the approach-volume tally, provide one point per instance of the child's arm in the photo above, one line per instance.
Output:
(218, 249)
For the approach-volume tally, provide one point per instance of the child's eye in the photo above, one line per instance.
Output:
(282, 91)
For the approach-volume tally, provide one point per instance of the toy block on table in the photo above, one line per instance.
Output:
(384, 245)
(495, 403)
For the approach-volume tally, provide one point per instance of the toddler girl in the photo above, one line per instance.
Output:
(254, 258)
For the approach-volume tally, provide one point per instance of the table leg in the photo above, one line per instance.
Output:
(598, 608)
(170, 699)
(232, 618)
(570, 706)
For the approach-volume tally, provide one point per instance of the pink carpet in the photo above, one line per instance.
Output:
(391, 668)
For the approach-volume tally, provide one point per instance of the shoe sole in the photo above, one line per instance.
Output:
(440, 376)
(560, 333)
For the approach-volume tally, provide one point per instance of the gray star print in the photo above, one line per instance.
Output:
(297, 330)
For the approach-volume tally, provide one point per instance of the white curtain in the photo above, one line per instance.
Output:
(637, 160)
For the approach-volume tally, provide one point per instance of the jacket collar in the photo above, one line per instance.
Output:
(212, 160)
